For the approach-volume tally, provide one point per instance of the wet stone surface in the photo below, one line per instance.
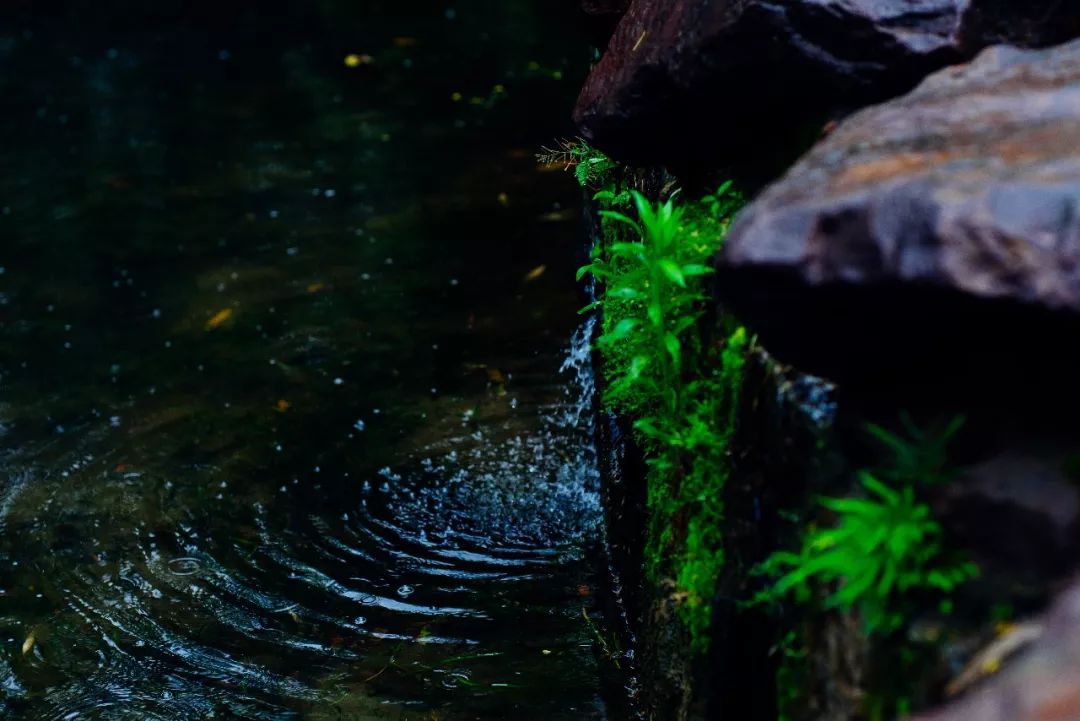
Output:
(282, 429)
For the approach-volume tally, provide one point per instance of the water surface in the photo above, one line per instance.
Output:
(283, 305)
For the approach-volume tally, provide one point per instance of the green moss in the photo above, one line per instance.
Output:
(663, 369)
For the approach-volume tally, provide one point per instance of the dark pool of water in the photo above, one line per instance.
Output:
(282, 428)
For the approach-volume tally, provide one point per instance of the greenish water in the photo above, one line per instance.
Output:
(283, 433)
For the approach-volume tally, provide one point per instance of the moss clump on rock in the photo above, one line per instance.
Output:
(666, 367)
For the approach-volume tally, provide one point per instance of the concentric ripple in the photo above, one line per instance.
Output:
(455, 579)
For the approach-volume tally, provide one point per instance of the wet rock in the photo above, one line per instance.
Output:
(693, 83)
(937, 232)
(1043, 683)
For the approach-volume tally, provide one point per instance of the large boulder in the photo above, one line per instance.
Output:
(746, 82)
(937, 232)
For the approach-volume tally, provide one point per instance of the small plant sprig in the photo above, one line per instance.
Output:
(724, 203)
(591, 167)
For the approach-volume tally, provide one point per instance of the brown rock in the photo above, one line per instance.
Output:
(1043, 684)
(939, 229)
(694, 82)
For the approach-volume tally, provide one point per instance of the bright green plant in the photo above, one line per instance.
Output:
(663, 367)
(654, 306)
(882, 549)
(660, 372)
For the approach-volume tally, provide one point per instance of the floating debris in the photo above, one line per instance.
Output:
(219, 319)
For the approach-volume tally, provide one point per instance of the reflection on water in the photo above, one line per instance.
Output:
(282, 428)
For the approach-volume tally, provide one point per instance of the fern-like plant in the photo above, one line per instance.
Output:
(883, 548)
(922, 456)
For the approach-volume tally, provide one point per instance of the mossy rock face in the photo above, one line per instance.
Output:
(783, 418)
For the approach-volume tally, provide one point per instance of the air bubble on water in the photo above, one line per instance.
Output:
(338, 381)
(359, 425)
(405, 591)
